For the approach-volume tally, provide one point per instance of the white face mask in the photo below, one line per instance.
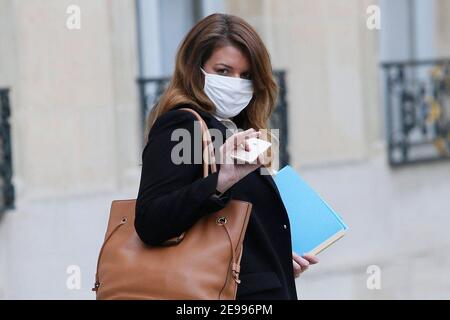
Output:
(230, 95)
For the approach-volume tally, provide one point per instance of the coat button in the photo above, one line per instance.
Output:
(284, 226)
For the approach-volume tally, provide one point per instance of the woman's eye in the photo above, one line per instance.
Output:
(246, 76)
(222, 71)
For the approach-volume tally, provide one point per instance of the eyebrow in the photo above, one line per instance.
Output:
(225, 65)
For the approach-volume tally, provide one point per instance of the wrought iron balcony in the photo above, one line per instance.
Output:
(417, 109)
(150, 89)
(6, 186)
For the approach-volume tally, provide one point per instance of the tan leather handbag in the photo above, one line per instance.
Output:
(202, 263)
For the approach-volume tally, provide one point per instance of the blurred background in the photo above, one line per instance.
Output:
(364, 115)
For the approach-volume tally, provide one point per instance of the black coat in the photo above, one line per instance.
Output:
(173, 197)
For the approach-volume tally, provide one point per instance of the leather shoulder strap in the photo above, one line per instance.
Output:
(207, 145)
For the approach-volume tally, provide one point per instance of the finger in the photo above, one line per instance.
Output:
(295, 256)
(262, 159)
(312, 259)
(301, 261)
(240, 137)
(247, 146)
(297, 268)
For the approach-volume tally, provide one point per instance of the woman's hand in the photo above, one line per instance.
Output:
(231, 172)
(302, 264)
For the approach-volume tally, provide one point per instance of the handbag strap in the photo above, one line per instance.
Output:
(208, 158)
(207, 145)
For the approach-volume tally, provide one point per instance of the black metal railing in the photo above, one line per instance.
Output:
(150, 89)
(6, 186)
(417, 109)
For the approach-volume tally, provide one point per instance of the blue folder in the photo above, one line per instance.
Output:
(314, 224)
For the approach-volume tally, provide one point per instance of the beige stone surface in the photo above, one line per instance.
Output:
(75, 113)
(442, 8)
(331, 61)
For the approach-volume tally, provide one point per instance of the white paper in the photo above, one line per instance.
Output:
(257, 146)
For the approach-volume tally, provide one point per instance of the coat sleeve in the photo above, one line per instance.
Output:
(172, 197)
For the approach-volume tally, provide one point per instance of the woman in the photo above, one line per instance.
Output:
(223, 72)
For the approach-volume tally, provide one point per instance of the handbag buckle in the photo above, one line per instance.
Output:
(221, 221)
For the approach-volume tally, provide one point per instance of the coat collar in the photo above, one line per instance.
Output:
(212, 122)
